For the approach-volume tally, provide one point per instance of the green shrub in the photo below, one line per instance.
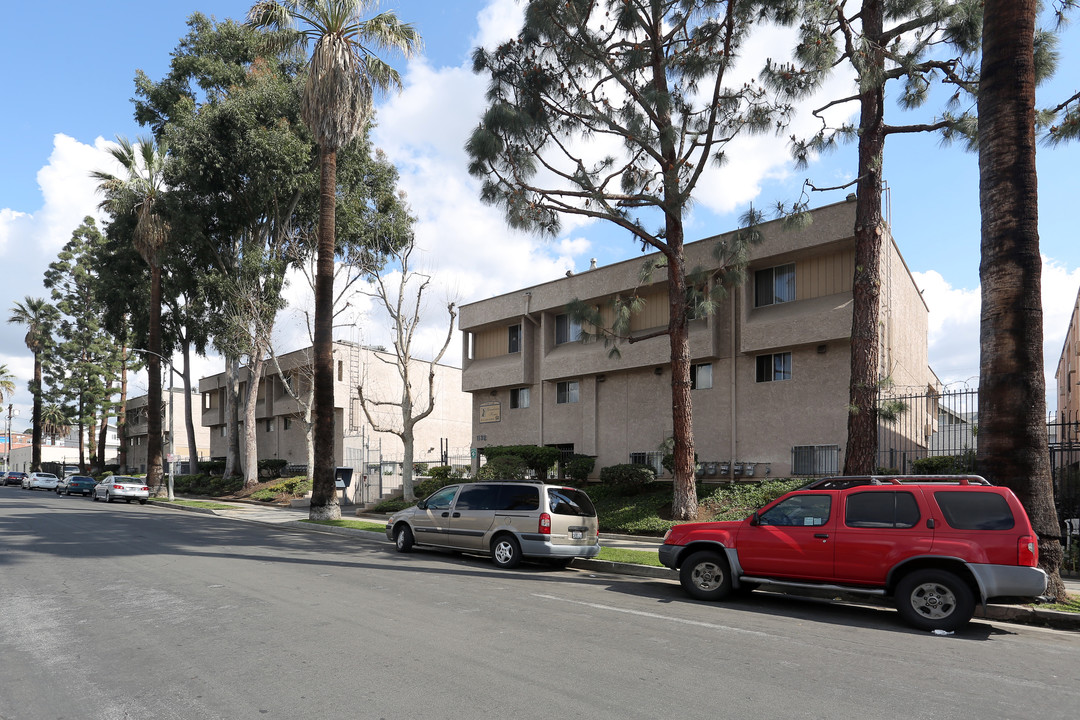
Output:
(211, 467)
(536, 458)
(426, 487)
(945, 464)
(580, 467)
(446, 473)
(295, 487)
(630, 478)
(739, 500)
(503, 467)
(209, 485)
(272, 467)
(420, 468)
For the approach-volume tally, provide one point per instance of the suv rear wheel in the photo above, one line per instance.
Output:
(934, 600)
(506, 552)
(705, 575)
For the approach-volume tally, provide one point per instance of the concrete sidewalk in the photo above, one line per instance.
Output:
(294, 518)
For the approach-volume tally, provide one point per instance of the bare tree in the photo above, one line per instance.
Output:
(405, 316)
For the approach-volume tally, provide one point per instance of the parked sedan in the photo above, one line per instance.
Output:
(41, 481)
(81, 484)
(121, 487)
(14, 478)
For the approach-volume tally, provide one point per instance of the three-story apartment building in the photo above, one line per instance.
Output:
(770, 367)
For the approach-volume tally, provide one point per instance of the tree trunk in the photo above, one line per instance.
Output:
(232, 417)
(189, 412)
(35, 437)
(1012, 441)
(684, 487)
(861, 453)
(324, 502)
(251, 437)
(154, 470)
(121, 416)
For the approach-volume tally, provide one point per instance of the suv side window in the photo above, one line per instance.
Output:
(802, 510)
(441, 499)
(477, 497)
(881, 509)
(518, 497)
(974, 510)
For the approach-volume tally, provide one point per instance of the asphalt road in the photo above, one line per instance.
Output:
(128, 611)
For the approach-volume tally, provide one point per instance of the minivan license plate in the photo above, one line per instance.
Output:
(575, 535)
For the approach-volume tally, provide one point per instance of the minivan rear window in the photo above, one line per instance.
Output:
(973, 510)
(568, 501)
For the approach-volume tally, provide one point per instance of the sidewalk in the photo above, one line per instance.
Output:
(293, 518)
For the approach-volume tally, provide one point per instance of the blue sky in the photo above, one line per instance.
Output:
(69, 80)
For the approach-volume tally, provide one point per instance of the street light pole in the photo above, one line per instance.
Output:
(10, 411)
(169, 371)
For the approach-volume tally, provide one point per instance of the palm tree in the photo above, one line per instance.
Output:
(343, 76)
(1012, 449)
(140, 195)
(38, 316)
(54, 421)
(7, 384)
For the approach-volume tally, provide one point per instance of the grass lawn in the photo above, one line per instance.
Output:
(354, 524)
(198, 503)
(635, 557)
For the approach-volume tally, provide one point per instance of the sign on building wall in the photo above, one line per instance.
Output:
(490, 412)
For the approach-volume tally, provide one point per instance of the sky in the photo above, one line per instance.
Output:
(70, 80)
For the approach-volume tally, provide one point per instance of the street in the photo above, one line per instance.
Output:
(141, 612)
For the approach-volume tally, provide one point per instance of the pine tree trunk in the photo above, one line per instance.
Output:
(154, 470)
(861, 453)
(1012, 442)
(324, 502)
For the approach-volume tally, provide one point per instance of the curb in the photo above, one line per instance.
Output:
(1018, 614)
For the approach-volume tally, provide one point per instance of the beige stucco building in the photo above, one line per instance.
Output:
(770, 366)
(1068, 370)
(136, 428)
(375, 457)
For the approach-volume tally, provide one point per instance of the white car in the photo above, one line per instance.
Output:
(121, 487)
(40, 481)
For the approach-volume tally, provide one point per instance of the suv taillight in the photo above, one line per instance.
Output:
(545, 524)
(1027, 552)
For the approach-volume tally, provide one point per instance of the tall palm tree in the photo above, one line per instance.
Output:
(54, 421)
(140, 195)
(38, 317)
(7, 384)
(1012, 449)
(343, 76)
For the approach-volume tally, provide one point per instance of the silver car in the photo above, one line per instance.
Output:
(121, 487)
(40, 481)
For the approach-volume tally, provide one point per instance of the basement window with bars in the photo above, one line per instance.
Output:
(807, 460)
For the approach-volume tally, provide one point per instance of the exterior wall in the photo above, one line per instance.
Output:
(624, 404)
(281, 433)
(1068, 370)
(136, 430)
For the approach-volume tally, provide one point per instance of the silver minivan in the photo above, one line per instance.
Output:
(507, 520)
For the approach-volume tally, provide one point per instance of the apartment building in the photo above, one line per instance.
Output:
(375, 455)
(136, 431)
(1068, 370)
(770, 368)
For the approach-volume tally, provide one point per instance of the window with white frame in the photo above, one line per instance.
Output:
(519, 398)
(701, 376)
(774, 285)
(566, 392)
(776, 366)
(567, 329)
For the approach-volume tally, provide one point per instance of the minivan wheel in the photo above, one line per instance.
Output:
(403, 538)
(705, 576)
(934, 600)
(506, 552)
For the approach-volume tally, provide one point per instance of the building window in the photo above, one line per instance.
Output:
(774, 367)
(221, 431)
(269, 424)
(701, 376)
(286, 423)
(653, 459)
(513, 341)
(340, 371)
(519, 398)
(567, 329)
(774, 285)
(815, 460)
(566, 392)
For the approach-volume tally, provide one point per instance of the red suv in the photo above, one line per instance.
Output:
(935, 544)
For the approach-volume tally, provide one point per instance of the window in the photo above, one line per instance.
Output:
(653, 459)
(774, 285)
(974, 510)
(809, 460)
(566, 392)
(269, 424)
(881, 509)
(340, 371)
(286, 423)
(478, 497)
(567, 501)
(513, 341)
(567, 329)
(519, 398)
(701, 376)
(774, 367)
(441, 499)
(518, 497)
(222, 431)
(801, 510)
